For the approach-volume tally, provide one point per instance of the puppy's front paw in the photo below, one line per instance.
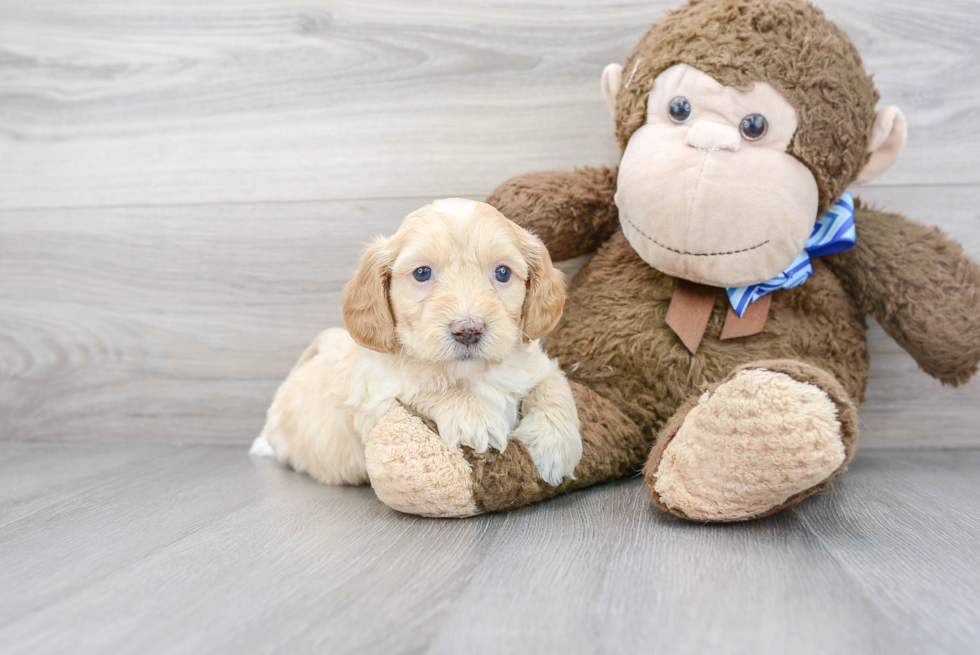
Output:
(498, 431)
(476, 431)
(556, 453)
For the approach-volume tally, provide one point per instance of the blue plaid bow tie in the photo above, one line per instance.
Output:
(834, 232)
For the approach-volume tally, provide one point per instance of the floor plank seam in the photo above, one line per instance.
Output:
(244, 203)
(478, 195)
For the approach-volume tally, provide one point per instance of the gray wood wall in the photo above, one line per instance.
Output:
(184, 185)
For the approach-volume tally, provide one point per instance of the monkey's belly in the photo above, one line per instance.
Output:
(613, 337)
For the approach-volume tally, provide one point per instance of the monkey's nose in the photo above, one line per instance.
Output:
(467, 331)
(707, 135)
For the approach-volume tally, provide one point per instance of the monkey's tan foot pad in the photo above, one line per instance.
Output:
(769, 435)
(413, 471)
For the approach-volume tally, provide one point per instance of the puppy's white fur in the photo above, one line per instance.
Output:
(400, 348)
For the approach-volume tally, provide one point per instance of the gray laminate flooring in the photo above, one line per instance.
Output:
(149, 548)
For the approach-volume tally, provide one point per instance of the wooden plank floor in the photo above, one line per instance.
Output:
(141, 548)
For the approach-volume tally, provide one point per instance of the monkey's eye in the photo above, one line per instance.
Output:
(680, 109)
(423, 273)
(502, 274)
(754, 127)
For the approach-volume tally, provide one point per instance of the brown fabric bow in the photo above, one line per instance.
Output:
(691, 306)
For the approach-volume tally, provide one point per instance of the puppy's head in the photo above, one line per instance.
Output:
(458, 284)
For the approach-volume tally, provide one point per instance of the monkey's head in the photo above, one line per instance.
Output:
(740, 123)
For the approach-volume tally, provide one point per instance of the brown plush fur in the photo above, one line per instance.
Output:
(613, 447)
(573, 211)
(921, 287)
(613, 338)
(790, 45)
(641, 370)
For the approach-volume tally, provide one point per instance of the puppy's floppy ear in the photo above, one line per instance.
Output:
(367, 312)
(545, 297)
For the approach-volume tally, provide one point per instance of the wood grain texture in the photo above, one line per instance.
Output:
(938, 593)
(176, 324)
(112, 522)
(173, 323)
(123, 103)
(31, 477)
(208, 550)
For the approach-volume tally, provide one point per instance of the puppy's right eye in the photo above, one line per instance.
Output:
(423, 273)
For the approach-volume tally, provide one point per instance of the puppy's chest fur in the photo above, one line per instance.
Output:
(494, 394)
(466, 396)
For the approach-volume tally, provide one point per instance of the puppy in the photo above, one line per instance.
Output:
(443, 317)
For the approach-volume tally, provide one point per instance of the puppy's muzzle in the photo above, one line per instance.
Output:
(467, 332)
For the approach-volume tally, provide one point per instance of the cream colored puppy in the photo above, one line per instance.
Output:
(444, 317)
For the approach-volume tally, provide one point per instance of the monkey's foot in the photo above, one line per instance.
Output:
(766, 437)
(412, 470)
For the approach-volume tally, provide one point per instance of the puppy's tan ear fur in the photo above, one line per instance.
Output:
(367, 311)
(545, 299)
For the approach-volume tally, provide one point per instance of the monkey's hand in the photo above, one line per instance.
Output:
(573, 212)
(920, 286)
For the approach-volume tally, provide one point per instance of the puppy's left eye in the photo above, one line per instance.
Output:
(502, 274)
(423, 273)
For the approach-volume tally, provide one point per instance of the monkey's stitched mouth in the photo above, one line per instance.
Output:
(695, 254)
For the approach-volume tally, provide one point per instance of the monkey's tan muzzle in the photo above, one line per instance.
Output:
(708, 135)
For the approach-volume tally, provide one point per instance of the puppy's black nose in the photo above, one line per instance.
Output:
(467, 332)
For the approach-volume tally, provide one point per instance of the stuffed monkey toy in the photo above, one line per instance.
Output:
(716, 339)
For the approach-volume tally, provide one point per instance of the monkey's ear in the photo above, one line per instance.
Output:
(612, 80)
(367, 313)
(888, 136)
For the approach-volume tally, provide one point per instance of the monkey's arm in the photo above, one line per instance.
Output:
(572, 212)
(920, 286)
